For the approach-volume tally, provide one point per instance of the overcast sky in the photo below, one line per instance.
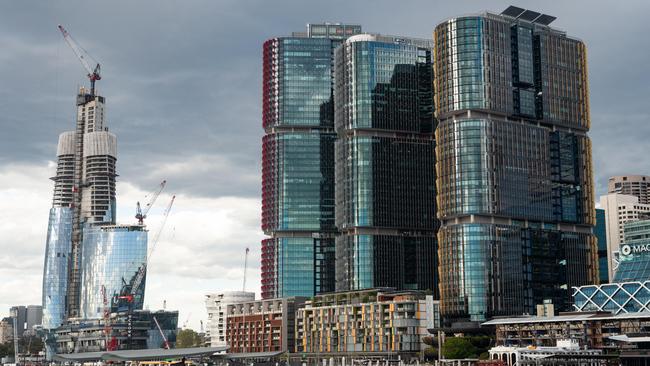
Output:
(183, 87)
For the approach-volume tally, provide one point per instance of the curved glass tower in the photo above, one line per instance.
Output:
(55, 270)
(385, 177)
(514, 167)
(298, 161)
(111, 256)
(59, 236)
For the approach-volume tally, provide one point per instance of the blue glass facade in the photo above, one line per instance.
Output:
(55, 273)
(513, 170)
(634, 258)
(298, 161)
(299, 175)
(384, 191)
(55, 269)
(111, 257)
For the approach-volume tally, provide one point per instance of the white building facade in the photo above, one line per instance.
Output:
(619, 209)
(521, 356)
(216, 304)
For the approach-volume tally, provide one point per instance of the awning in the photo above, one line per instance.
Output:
(141, 354)
(253, 355)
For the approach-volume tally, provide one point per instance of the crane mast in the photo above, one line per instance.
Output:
(161, 333)
(245, 268)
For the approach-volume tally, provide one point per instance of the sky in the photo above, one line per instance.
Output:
(182, 82)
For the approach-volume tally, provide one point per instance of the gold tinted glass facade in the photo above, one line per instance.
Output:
(513, 171)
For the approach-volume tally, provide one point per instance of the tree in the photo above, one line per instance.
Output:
(458, 348)
(187, 338)
(30, 345)
(6, 349)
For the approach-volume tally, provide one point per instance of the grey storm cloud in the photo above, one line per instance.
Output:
(183, 88)
(183, 80)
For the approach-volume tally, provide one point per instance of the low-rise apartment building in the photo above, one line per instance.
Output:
(262, 325)
(368, 321)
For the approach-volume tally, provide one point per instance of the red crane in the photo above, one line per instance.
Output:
(83, 56)
(109, 342)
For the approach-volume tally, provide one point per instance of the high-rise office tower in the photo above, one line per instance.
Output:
(633, 185)
(298, 161)
(93, 184)
(88, 257)
(514, 170)
(19, 316)
(385, 166)
(59, 236)
(84, 193)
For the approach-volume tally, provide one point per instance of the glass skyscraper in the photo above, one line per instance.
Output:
(514, 168)
(298, 161)
(111, 257)
(385, 166)
(86, 254)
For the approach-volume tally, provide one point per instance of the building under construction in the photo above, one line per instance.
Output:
(94, 268)
(137, 330)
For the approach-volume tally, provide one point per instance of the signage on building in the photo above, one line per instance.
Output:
(634, 249)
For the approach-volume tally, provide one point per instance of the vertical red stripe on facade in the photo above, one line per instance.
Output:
(270, 80)
(269, 290)
(270, 116)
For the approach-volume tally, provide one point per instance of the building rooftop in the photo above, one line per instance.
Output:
(568, 317)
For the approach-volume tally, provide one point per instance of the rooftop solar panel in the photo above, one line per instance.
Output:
(545, 19)
(529, 15)
(513, 11)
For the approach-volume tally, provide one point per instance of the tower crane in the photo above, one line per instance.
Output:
(187, 320)
(130, 290)
(165, 341)
(141, 214)
(83, 56)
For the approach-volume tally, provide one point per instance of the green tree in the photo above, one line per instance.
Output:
(482, 342)
(6, 349)
(458, 348)
(30, 345)
(187, 338)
